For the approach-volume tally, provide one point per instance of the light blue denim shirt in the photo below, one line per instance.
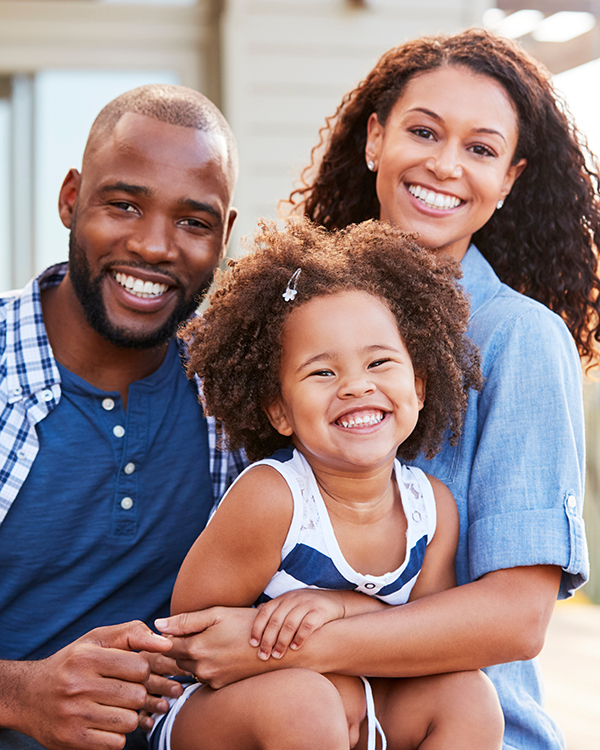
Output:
(517, 473)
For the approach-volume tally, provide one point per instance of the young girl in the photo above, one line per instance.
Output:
(333, 354)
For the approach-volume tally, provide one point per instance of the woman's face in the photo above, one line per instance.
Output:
(443, 158)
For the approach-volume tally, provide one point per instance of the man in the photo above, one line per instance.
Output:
(108, 469)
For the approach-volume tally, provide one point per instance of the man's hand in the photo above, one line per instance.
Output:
(214, 644)
(158, 684)
(87, 694)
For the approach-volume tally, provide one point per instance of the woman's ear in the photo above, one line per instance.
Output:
(278, 419)
(374, 139)
(420, 391)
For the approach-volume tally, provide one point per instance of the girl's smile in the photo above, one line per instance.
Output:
(441, 166)
(349, 394)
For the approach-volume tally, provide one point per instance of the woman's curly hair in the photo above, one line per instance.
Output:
(543, 242)
(235, 346)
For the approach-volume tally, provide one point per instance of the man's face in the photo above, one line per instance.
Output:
(150, 220)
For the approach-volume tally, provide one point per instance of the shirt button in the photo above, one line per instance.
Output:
(126, 503)
(572, 502)
(108, 404)
(47, 395)
(129, 468)
(21, 454)
(118, 431)
(17, 390)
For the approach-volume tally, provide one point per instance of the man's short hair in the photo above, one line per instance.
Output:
(175, 105)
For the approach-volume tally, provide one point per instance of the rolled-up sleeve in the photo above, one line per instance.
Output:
(526, 481)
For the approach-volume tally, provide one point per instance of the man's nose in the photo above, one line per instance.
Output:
(152, 240)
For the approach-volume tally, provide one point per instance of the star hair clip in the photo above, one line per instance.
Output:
(290, 291)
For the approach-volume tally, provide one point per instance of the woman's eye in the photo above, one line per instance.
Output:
(482, 150)
(422, 133)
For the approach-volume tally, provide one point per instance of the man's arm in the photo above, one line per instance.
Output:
(84, 696)
(501, 617)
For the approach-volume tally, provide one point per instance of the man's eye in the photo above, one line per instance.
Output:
(124, 206)
(194, 223)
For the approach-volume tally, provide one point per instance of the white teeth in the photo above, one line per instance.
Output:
(434, 200)
(140, 288)
(359, 421)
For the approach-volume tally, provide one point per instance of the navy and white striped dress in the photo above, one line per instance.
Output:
(311, 556)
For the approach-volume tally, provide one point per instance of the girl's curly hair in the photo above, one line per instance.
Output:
(543, 242)
(235, 346)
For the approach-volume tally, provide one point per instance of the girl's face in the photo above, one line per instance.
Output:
(443, 157)
(349, 395)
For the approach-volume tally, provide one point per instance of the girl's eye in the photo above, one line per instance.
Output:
(482, 150)
(379, 362)
(322, 373)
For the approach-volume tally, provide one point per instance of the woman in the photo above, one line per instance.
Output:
(460, 140)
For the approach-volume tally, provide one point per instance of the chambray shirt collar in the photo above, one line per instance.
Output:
(479, 279)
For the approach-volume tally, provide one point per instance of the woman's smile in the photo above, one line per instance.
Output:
(444, 157)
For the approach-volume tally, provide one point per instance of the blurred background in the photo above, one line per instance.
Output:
(277, 69)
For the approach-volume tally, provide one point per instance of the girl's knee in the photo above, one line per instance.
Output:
(472, 696)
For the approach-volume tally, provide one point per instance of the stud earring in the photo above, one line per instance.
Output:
(499, 204)
(371, 165)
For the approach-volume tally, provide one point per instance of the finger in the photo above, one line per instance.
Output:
(112, 663)
(157, 685)
(128, 636)
(119, 695)
(186, 623)
(307, 627)
(155, 705)
(161, 664)
(145, 721)
(278, 629)
(263, 616)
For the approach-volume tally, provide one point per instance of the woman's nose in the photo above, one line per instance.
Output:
(446, 163)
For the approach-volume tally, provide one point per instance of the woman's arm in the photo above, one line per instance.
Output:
(501, 617)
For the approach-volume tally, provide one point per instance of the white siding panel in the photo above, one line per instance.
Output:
(286, 65)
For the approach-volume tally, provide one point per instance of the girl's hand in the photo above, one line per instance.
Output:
(288, 620)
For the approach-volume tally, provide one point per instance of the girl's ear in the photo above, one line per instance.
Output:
(278, 419)
(420, 391)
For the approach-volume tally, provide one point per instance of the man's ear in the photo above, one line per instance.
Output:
(420, 391)
(67, 198)
(276, 416)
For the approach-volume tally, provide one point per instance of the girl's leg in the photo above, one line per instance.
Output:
(457, 711)
(295, 709)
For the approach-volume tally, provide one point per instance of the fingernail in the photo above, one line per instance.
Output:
(276, 654)
(263, 655)
(176, 690)
(294, 646)
(161, 624)
(254, 642)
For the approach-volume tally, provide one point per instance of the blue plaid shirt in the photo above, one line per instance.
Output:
(30, 390)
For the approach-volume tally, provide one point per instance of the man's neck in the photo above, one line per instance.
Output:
(79, 348)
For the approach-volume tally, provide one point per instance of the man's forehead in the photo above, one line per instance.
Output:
(141, 140)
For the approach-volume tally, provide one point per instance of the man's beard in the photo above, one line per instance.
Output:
(89, 293)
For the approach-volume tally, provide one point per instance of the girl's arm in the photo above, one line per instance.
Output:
(235, 557)
(438, 571)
